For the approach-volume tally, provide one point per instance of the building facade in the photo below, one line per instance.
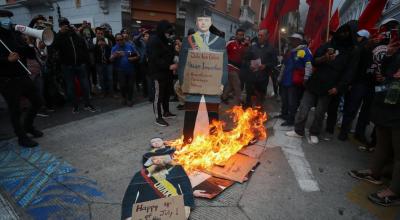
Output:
(95, 12)
(352, 9)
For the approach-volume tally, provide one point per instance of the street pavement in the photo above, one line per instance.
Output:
(83, 167)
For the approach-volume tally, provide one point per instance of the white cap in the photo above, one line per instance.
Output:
(363, 33)
(297, 36)
(387, 21)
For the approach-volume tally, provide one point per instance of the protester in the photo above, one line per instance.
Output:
(73, 56)
(161, 66)
(259, 60)
(386, 117)
(335, 64)
(235, 50)
(102, 54)
(15, 82)
(296, 70)
(86, 32)
(141, 67)
(123, 55)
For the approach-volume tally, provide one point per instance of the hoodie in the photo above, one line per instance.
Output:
(161, 52)
(337, 73)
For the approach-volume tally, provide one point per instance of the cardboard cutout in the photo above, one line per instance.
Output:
(208, 45)
(159, 178)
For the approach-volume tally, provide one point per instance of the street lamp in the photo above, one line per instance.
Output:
(283, 30)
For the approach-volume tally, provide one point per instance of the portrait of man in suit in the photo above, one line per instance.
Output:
(206, 38)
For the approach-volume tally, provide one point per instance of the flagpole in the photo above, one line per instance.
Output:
(329, 20)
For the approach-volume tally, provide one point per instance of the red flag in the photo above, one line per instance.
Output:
(317, 40)
(277, 9)
(318, 15)
(335, 21)
(371, 14)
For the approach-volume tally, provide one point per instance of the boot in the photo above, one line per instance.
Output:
(27, 142)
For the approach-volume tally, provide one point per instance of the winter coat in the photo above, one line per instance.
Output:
(72, 48)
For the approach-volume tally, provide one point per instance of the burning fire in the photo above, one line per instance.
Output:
(215, 149)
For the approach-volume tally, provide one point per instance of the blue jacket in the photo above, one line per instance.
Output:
(122, 63)
(296, 61)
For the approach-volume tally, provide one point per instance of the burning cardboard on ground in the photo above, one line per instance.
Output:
(236, 168)
(254, 151)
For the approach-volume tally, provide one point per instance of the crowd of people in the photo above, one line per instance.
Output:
(356, 74)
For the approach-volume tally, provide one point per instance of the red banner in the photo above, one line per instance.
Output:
(318, 15)
(277, 9)
(335, 21)
(371, 14)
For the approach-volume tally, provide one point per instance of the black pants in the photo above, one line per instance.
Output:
(126, 84)
(257, 90)
(12, 91)
(332, 113)
(191, 110)
(291, 97)
(162, 93)
(359, 95)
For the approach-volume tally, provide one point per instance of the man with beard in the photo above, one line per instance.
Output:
(15, 82)
(335, 63)
(159, 178)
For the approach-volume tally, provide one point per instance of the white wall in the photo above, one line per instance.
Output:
(89, 10)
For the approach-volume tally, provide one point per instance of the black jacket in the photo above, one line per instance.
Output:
(337, 73)
(361, 75)
(382, 114)
(98, 54)
(72, 48)
(15, 43)
(268, 57)
(160, 54)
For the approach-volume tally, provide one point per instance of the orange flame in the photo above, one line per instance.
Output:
(215, 149)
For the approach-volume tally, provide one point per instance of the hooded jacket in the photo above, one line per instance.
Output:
(339, 72)
(161, 53)
(72, 48)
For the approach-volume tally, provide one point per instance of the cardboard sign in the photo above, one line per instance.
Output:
(169, 208)
(203, 72)
(236, 168)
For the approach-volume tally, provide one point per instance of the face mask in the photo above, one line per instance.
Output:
(5, 23)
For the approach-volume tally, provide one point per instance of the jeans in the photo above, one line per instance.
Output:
(387, 149)
(126, 84)
(291, 97)
(307, 102)
(104, 72)
(360, 94)
(71, 73)
(333, 113)
(233, 85)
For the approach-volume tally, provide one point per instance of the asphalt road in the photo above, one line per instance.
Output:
(85, 163)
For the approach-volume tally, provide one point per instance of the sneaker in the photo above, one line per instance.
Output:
(161, 122)
(90, 108)
(287, 124)
(169, 115)
(75, 110)
(314, 139)
(27, 142)
(35, 133)
(42, 114)
(365, 175)
(386, 201)
(293, 134)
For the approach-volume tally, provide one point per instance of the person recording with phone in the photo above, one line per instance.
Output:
(15, 82)
(124, 55)
(73, 56)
